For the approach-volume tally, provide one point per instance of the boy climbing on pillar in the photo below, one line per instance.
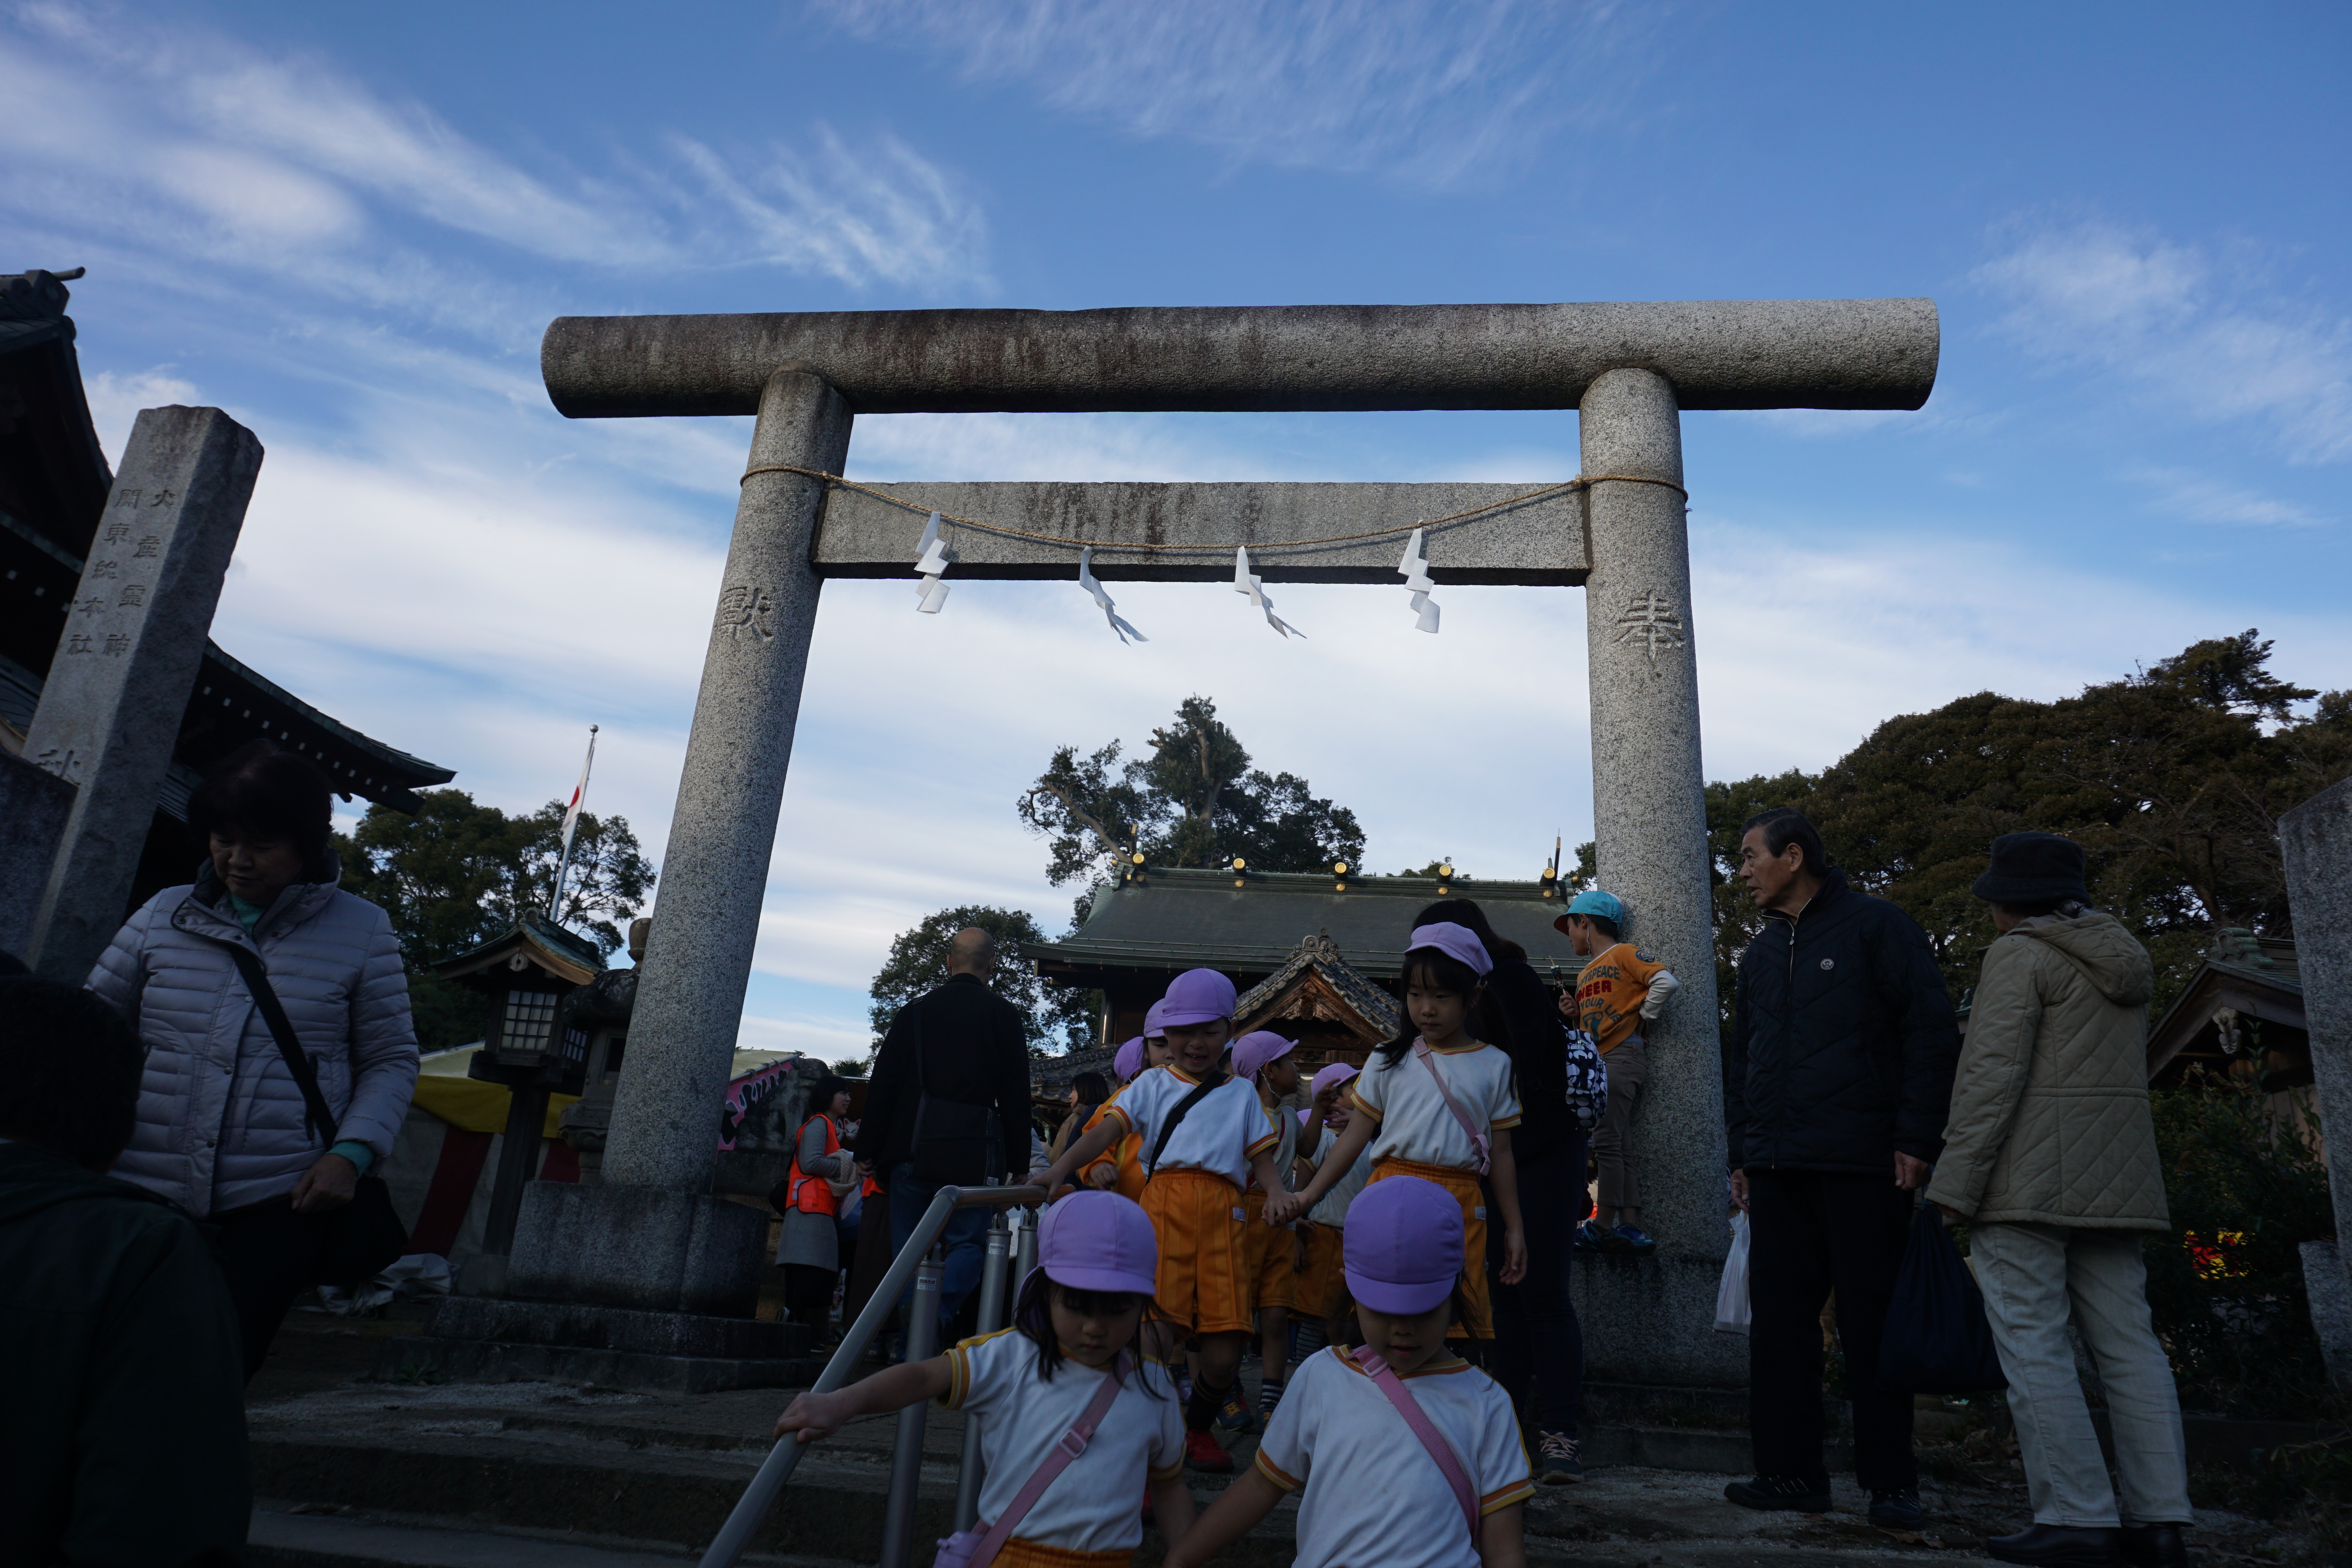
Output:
(1618, 996)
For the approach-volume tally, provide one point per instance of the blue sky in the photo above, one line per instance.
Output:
(349, 225)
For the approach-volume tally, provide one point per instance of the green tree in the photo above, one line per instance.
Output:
(919, 959)
(2172, 779)
(458, 873)
(1192, 799)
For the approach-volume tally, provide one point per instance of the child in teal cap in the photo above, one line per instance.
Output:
(1618, 995)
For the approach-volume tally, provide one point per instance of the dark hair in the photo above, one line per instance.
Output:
(820, 1100)
(70, 1071)
(1033, 1314)
(1092, 1086)
(268, 792)
(1600, 923)
(1784, 825)
(1466, 912)
(1437, 971)
(1346, 1328)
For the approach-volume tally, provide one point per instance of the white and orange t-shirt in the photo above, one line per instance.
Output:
(1416, 1123)
(1091, 1505)
(1220, 1134)
(1373, 1494)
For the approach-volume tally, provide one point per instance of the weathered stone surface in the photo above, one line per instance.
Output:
(656, 1250)
(1649, 815)
(689, 999)
(1720, 354)
(34, 805)
(1538, 542)
(2316, 842)
(2330, 1297)
(586, 1327)
(119, 685)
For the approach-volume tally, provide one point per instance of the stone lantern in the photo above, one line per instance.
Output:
(532, 977)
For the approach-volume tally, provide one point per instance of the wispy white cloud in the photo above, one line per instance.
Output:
(115, 401)
(2199, 499)
(185, 146)
(1436, 92)
(2201, 331)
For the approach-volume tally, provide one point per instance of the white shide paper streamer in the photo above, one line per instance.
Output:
(1087, 580)
(931, 565)
(1245, 582)
(1414, 569)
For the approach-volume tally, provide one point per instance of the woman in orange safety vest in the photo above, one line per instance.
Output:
(811, 1199)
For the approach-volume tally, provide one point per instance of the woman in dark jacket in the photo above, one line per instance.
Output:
(1539, 1344)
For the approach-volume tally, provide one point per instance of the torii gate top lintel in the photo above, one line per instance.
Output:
(1729, 354)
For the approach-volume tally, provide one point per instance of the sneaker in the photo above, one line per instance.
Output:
(2053, 1546)
(1793, 1494)
(1588, 1238)
(1201, 1453)
(1234, 1415)
(1269, 1394)
(1556, 1459)
(1629, 1238)
(1897, 1509)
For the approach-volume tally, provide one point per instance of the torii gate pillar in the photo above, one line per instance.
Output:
(652, 1236)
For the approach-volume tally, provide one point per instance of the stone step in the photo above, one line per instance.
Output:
(475, 1339)
(282, 1540)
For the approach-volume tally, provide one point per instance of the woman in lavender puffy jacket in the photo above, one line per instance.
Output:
(222, 1128)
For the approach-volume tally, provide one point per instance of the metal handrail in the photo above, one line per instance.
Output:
(778, 1466)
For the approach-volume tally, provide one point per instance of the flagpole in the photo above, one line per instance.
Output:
(570, 821)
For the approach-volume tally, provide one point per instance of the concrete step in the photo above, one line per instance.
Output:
(282, 1540)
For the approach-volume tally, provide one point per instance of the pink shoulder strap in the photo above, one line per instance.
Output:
(1073, 1443)
(1423, 1428)
(1479, 1140)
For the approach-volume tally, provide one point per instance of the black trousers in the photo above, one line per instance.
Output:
(1538, 1355)
(808, 1293)
(1811, 1232)
(268, 1254)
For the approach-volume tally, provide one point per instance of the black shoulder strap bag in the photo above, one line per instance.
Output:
(955, 1145)
(1200, 1091)
(364, 1237)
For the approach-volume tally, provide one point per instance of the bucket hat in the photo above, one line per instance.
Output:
(2028, 868)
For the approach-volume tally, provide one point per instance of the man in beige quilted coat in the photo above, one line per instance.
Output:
(2050, 1160)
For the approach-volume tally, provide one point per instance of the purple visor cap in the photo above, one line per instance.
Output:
(1100, 1241)
(1402, 1250)
(1153, 1029)
(1255, 1050)
(1197, 997)
(1129, 1060)
(1455, 941)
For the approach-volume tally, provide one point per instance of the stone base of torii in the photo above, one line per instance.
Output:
(652, 1246)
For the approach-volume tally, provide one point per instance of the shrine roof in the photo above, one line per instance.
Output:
(554, 948)
(1171, 919)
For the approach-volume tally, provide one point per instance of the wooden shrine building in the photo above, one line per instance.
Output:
(1315, 955)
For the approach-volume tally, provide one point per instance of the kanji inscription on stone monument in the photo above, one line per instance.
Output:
(1651, 622)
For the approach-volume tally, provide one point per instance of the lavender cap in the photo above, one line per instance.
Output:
(1197, 997)
(1129, 1060)
(1153, 1029)
(1459, 942)
(1403, 1247)
(1334, 1073)
(1095, 1240)
(1255, 1050)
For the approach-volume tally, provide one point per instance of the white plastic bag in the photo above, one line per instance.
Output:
(1731, 1298)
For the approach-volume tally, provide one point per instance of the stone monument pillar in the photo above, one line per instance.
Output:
(650, 1235)
(2316, 843)
(119, 685)
(1656, 1323)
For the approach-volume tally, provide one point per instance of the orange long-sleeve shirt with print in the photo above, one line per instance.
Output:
(1611, 991)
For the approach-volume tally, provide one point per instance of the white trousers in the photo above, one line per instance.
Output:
(2034, 1278)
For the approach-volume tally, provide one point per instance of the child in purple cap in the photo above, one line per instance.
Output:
(1270, 1253)
(1201, 1136)
(1436, 1103)
(1316, 1294)
(1079, 1319)
(1374, 1489)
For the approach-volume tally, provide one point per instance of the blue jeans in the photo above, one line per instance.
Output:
(965, 1238)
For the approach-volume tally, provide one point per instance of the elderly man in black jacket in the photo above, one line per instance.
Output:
(1836, 1088)
(966, 1050)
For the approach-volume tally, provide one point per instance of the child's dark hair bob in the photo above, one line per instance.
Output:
(1431, 971)
(1033, 1314)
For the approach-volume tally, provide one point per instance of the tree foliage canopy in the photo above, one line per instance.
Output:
(1190, 798)
(918, 961)
(458, 873)
(2172, 779)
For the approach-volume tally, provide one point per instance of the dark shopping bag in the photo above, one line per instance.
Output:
(1936, 1339)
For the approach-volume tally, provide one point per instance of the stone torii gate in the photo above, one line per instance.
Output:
(652, 1237)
